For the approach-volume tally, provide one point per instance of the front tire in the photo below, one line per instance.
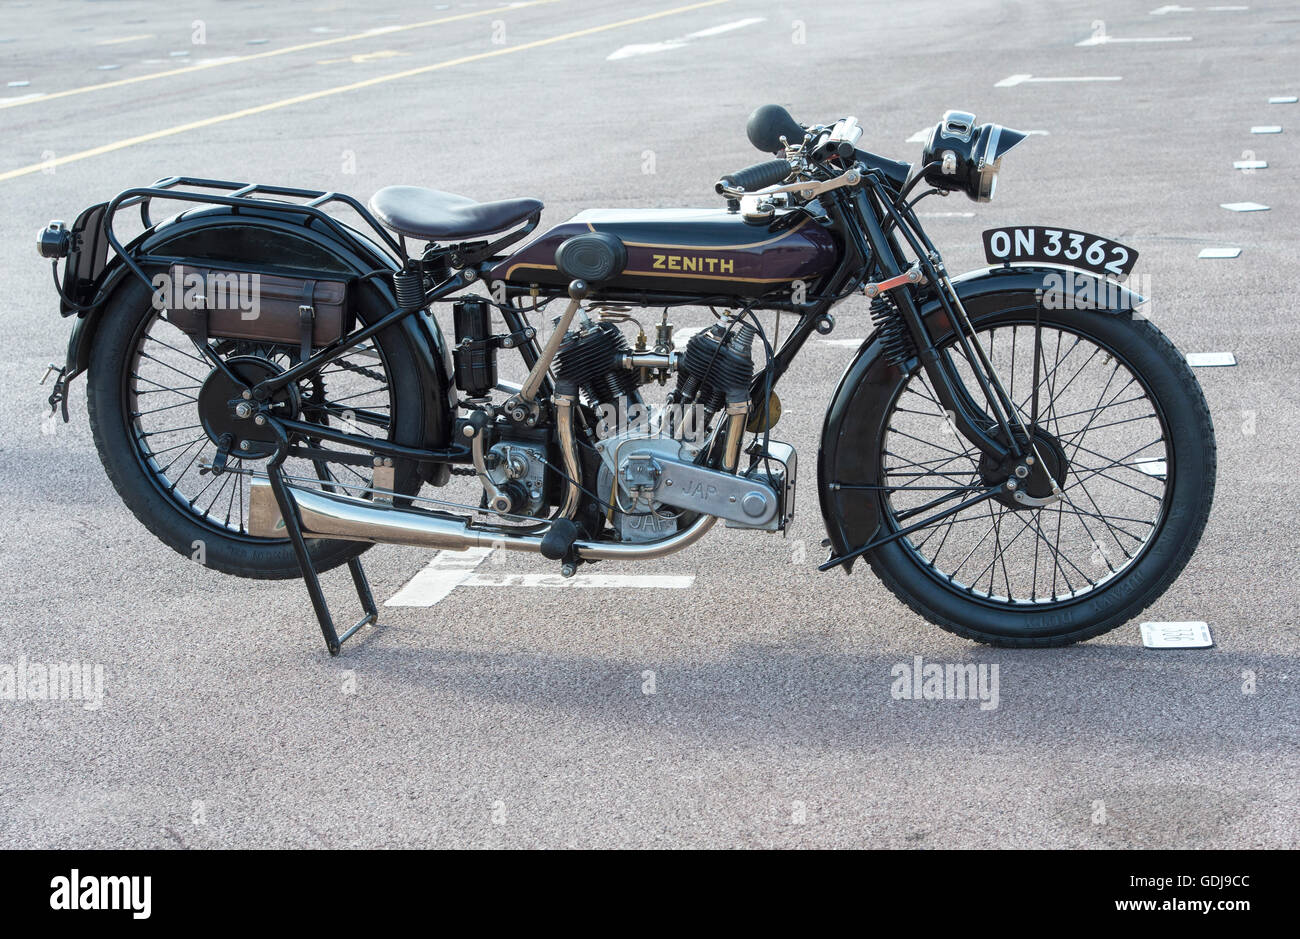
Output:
(1138, 550)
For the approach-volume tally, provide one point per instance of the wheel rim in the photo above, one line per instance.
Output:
(1116, 491)
(160, 392)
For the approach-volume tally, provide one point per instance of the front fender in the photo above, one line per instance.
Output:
(854, 419)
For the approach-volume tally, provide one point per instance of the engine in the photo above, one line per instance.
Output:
(652, 469)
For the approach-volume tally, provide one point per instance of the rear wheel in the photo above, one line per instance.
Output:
(154, 405)
(1121, 427)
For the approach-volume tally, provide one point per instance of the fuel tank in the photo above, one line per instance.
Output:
(690, 251)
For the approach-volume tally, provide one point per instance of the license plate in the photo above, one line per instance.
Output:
(1058, 246)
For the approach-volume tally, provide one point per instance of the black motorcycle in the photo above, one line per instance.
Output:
(1021, 457)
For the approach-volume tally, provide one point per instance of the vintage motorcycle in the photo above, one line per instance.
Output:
(1021, 457)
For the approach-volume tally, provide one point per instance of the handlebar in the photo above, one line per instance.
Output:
(753, 178)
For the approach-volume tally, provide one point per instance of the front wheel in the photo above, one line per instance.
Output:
(1123, 429)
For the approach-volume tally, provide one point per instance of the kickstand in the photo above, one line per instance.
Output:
(292, 524)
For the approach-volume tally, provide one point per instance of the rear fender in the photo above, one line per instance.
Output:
(851, 431)
(265, 240)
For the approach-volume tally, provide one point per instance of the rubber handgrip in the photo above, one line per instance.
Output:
(758, 176)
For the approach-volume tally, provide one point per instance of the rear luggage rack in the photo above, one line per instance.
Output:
(238, 195)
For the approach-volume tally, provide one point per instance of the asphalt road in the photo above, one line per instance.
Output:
(520, 718)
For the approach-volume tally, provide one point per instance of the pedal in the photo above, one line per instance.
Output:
(557, 543)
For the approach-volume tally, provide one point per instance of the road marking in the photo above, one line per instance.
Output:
(1211, 359)
(1105, 40)
(1171, 8)
(1243, 206)
(945, 214)
(1226, 9)
(341, 89)
(21, 84)
(362, 57)
(1012, 80)
(1219, 253)
(649, 48)
(1156, 468)
(612, 581)
(1176, 635)
(1250, 164)
(266, 55)
(846, 343)
(1283, 99)
(447, 571)
(1266, 129)
(122, 39)
(451, 569)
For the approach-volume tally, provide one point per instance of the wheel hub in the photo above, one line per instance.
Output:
(228, 417)
(1041, 477)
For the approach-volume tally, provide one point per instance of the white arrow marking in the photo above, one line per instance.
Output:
(447, 571)
(649, 48)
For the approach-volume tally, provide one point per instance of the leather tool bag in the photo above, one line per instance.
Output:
(308, 313)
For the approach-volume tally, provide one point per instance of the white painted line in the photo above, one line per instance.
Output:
(1176, 635)
(1219, 253)
(649, 48)
(725, 27)
(1266, 129)
(946, 214)
(614, 581)
(846, 343)
(1012, 80)
(1211, 359)
(1243, 206)
(1171, 8)
(1250, 164)
(1104, 40)
(447, 571)
(7, 101)
(1156, 468)
(1226, 9)
(107, 68)
(22, 84)
(1283, 99)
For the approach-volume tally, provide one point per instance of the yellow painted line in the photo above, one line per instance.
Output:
(122, 39)
(47, 165)
(231, 60)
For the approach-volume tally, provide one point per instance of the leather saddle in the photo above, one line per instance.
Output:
(443, 216)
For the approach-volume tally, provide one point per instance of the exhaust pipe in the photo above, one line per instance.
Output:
(333, 516)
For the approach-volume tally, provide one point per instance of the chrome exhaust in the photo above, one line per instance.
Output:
(333, 516)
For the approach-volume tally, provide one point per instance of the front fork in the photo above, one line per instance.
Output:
(967, 417)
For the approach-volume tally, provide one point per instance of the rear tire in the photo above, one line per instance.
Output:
(126, 321)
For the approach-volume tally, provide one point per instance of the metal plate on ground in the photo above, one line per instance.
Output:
(1176, 635)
